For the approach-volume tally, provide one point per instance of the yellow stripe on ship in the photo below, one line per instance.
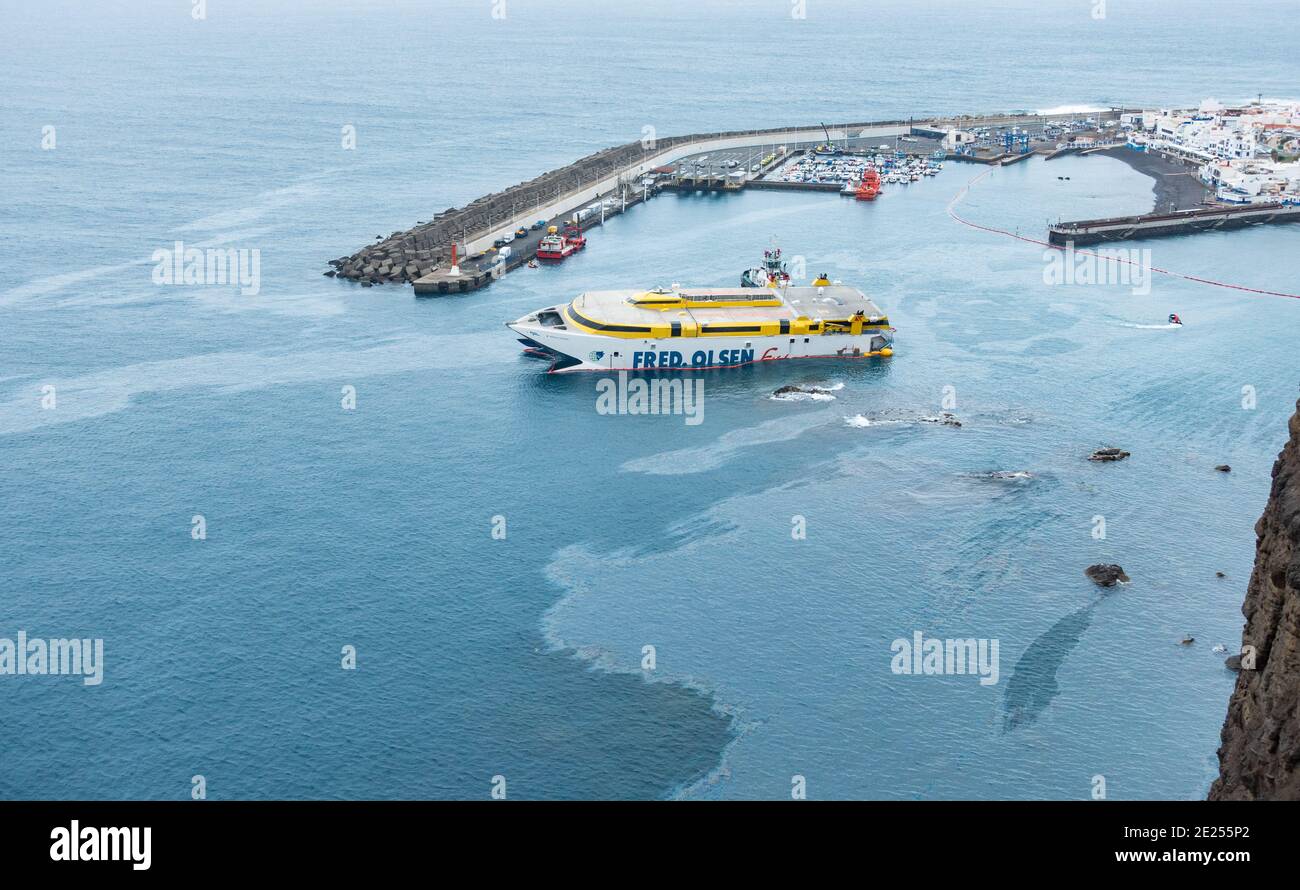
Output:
(690, 328)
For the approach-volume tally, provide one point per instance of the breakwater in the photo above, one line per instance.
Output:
(1151, 225)
(414, 253)
(422, 251)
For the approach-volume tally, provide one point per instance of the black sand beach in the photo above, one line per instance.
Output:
(1177, 187)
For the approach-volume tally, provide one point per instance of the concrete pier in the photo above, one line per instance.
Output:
(1094, 231)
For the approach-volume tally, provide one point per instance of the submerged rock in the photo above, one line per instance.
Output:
(1232, 663)
(791, 393)
(791, 388)
(946, 418)
(1108, 454)
(1223, 468)
(1106, 575)
(1006, 475)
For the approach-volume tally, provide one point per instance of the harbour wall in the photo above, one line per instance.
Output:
(1094, 231)
(410, 254)
(406, 256)
(635, 170)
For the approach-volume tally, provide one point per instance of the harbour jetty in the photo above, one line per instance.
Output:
(1208, 219)
(615, 179)
(417, 252)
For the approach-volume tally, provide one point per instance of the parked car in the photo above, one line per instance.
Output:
(521, 232)
(506, 239)
(539, 225)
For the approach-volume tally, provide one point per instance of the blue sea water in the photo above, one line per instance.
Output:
(522, 657)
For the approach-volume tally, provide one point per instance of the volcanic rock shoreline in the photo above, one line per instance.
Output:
(1259, 758)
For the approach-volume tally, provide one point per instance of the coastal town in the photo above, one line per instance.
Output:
(1248, 154)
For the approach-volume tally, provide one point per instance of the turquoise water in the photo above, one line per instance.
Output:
(522, 657)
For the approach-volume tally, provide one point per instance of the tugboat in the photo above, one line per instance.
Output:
(772, 274)
(870, 186)
(555, 246)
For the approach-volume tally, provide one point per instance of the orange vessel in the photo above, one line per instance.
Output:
(870, 186)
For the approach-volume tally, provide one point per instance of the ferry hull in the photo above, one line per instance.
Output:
(578, 351)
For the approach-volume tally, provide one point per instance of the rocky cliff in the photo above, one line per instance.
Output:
(1259, 758)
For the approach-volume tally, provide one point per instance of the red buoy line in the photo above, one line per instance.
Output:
(961, 194)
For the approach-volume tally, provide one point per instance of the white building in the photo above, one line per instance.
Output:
(1232, 145)
(955, 139)
(1253, 182)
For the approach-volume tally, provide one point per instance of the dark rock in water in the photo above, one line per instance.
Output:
(791, 390)
(1106, 575)
(1220, 575)
(805, 389)
(329, 272)
(1223, 468)
(946, 418)
(1108, 454)
(1232, 662)
(366, 282)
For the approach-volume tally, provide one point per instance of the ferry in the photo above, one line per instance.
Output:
(694, 328)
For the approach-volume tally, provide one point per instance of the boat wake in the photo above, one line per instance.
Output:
(1150, 327)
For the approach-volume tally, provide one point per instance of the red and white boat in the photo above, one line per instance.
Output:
(555, 246)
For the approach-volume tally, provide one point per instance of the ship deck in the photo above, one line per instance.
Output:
(834, 301)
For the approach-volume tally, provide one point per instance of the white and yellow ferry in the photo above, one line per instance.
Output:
(692, 328)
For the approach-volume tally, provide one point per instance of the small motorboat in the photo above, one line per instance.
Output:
(1174, 319)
